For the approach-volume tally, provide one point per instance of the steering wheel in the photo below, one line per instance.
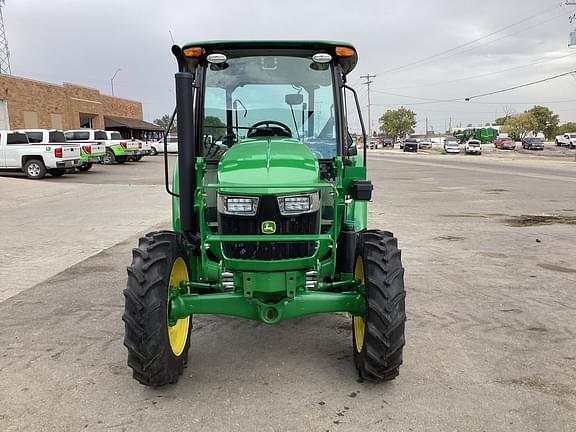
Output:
(278, 129)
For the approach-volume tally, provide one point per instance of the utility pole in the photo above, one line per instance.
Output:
(368, 82)
(426, 127)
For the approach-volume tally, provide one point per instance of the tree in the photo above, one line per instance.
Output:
(508, 113)
(569, 127)
(214, 126)
(164, 121)
(500, 121)
(547, 121)
(520, 125)
(398, 123)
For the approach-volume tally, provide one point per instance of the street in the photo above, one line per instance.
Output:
(488, 246)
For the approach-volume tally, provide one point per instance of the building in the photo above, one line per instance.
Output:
(26, 103)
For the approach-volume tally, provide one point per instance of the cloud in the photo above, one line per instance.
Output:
(86, 41)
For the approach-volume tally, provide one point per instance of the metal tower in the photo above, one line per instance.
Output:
(4, 53)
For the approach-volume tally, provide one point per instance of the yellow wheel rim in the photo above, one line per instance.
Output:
(178, 333)
(358, 321)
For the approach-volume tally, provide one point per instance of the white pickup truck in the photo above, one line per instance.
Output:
(117, 150)
(137, 147)
(17, 153)
(90, 152)
(568, 139)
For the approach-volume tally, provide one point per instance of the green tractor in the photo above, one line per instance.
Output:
(269, 209)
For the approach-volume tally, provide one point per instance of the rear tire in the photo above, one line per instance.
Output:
(157, 357)
(109, 158)
(87, 166)
(378, 337)
(35, 169)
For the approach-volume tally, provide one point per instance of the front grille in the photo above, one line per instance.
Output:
(268, 211)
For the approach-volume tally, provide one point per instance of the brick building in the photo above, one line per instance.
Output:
(25, 103)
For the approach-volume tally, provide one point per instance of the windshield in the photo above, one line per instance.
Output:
(269, 96)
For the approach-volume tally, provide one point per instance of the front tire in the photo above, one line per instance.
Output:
(157, 350)
(121, 159)
(378, 337)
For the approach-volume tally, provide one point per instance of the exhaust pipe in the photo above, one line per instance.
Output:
(186, 152)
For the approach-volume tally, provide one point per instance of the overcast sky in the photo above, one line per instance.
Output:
(85, 41)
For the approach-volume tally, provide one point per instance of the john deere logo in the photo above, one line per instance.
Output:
(268, 227)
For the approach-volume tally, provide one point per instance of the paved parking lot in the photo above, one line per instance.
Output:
(488, 246)
(46, 226)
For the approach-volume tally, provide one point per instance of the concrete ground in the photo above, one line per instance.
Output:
(46, 226)
(488, 246)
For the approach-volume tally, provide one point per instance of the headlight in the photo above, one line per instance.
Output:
(298, 204)
(237, 205)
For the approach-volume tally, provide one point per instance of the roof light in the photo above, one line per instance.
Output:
(321, 58)
(193, 51)
(344, 51)
(216, 58)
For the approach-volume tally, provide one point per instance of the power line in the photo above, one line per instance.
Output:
(436, 56)
(520, 86)
(538, 61)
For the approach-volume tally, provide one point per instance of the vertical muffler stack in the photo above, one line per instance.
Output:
(186, 151)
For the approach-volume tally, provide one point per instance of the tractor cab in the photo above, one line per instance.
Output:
(269, 208)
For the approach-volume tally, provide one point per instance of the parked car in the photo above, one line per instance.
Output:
(35, 160)
(116, 150)
(373, 143)
(90, 152)
(158, 146)
(451, 145)
(532, 144)
(568, 140)
(131, 147)
(425, 144)
(504, 143)
(410, 145)
(388, 142)
(473, 146)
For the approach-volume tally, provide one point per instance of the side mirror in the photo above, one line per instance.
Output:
(351, 149)
(294, 99)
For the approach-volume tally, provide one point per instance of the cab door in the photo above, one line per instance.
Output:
(13, 144)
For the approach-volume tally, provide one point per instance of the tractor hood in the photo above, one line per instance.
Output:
(268, 161)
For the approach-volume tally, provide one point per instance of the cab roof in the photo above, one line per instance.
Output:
(280, 46)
